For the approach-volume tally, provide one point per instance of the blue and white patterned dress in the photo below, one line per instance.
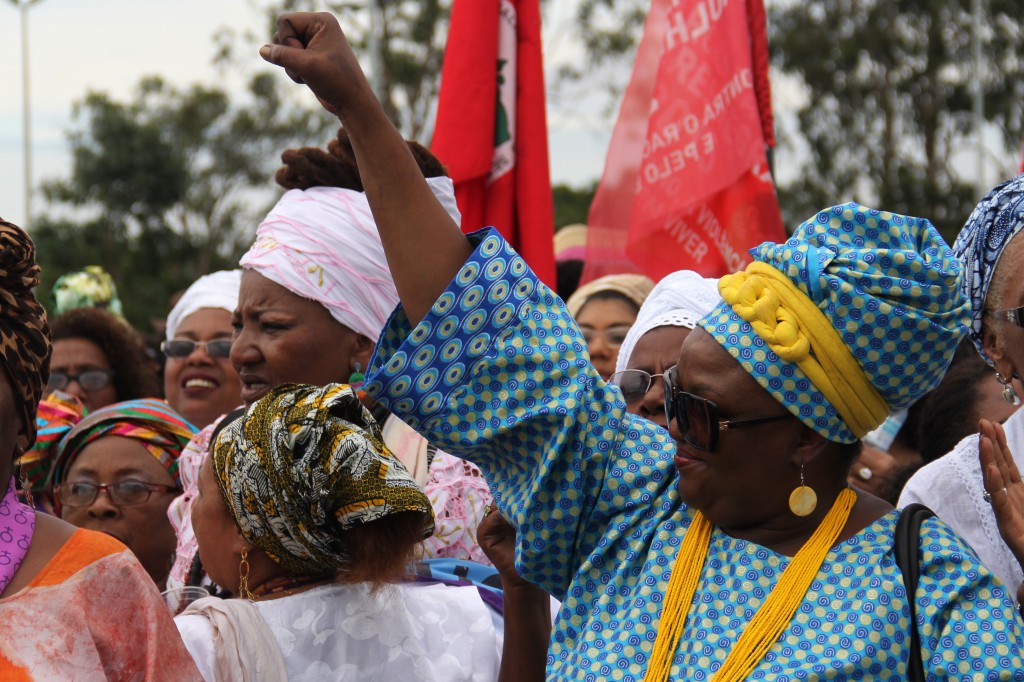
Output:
(498, 373)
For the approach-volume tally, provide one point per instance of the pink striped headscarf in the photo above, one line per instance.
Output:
(322, 244)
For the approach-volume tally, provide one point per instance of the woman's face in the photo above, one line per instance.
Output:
(1004, 341)
(143, 528)
(11, 435)
(749, 477)
(605, 323)
(655, 352)
(199, 386)
(280, 337)
(74, 356)
(216, 531)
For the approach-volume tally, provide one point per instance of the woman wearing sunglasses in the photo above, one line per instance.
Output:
(734, 548)
(116, 472)
(652, 345)
(99, 359)
(199, 381)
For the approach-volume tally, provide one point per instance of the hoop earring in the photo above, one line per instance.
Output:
(357, 375)
(803, 499)
(243, 577)
(1009, 393)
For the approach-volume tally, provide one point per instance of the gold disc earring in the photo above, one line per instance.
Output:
(803, 499)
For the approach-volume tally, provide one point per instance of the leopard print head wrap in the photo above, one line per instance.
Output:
(24, 333)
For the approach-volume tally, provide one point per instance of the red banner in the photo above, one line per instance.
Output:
(491, 127)
(686, 183)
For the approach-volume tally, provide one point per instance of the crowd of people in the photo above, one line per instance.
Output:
(383, 449)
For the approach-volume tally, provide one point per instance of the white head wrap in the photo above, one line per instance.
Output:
(322, 244)
(679, 300)
(216, 290)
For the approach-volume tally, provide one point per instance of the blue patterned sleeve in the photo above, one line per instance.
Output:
(497, 373)
(969, 628)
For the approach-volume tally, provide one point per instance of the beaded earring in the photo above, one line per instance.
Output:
(357, 375)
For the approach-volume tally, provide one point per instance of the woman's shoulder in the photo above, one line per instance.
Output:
(58, 551)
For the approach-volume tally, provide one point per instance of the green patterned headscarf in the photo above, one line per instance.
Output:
(90, 287)
(305, 463)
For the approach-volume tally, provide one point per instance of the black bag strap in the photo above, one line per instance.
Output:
(907, 546)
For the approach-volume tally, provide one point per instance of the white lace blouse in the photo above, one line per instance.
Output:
(953, 488)
(414, 632)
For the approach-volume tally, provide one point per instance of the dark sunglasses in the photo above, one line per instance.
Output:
(634, 383)
(90, 380)
(123, 493)
(182, 348)
(697, 418)
(1014, 316)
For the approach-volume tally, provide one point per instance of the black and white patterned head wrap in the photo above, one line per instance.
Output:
(981, 243)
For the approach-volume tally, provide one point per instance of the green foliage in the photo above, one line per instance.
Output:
(401, 45)
(169, 185)
(572, 203)
(888, 100)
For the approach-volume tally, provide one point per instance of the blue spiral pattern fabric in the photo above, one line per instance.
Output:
(497, 373)
(993, 223)
(891, 287)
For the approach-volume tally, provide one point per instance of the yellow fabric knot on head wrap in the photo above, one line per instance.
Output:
(798, 332)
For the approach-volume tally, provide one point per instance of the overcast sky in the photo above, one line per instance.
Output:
(108, 45)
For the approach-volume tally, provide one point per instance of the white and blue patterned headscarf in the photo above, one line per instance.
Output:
(981, 242)
(889, 285)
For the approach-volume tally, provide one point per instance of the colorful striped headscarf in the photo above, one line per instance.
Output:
(993, 223)
(305, 463)
(57, 414)
(24, 333)
(859, 313)
(151, 422)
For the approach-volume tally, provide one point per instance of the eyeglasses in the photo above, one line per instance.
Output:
(613, 336)
(1014, 316)
(182, 348)
(123, 493)
(634, 383)
(697, 418)
(90, 380)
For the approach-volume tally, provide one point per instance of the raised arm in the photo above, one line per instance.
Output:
(424, 247)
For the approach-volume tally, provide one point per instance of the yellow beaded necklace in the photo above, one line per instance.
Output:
(773, 616)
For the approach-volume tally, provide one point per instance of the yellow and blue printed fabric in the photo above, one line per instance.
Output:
(890, 289)
(498, 373)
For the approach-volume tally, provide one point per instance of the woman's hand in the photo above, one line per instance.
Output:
(1003, 485)
(313, 50)
(497, 539)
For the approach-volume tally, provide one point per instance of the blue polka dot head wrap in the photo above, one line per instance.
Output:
(981, 242)
(890, 288)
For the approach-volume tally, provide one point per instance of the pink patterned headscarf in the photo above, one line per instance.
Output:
(322, 244)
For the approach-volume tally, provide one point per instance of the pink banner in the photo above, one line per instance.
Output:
(687, 158)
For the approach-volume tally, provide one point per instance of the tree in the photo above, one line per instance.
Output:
(888, 100)
(572, 203)
(178, 178)
(403, 44)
